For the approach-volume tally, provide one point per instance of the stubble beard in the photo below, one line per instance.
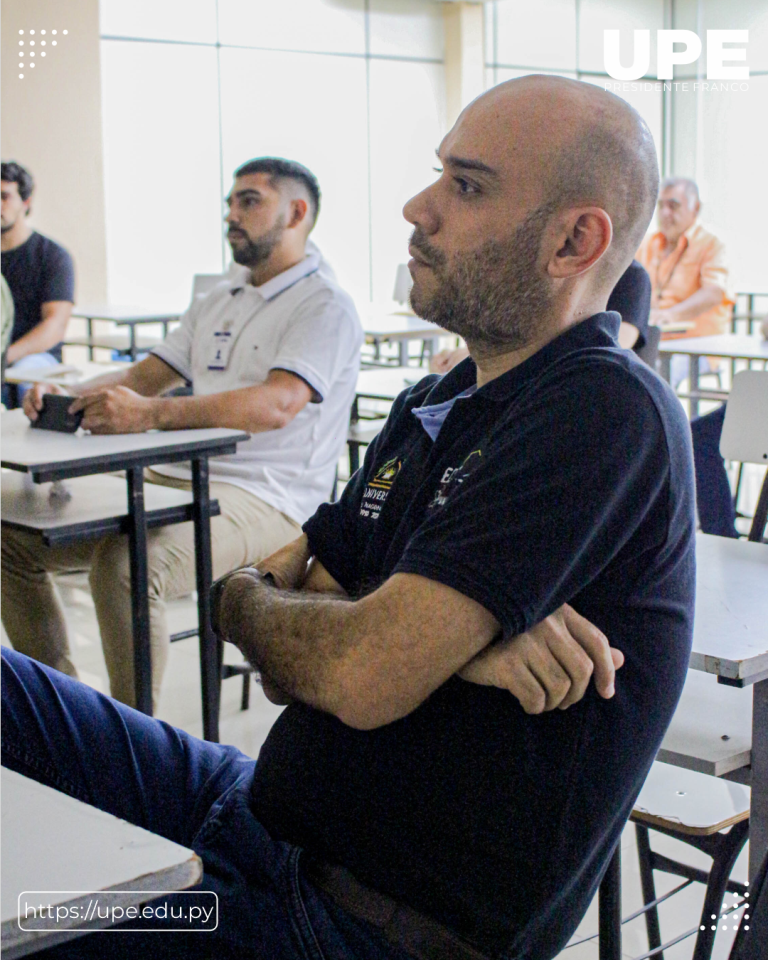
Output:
(494, 296)
(253, 252)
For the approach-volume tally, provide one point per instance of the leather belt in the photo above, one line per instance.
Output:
(418, 935)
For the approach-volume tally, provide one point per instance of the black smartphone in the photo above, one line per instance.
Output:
(55, 415)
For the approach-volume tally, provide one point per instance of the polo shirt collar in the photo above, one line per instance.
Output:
(599, 330)
(277, 285)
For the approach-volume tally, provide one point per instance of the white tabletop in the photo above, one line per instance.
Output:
(385, 383)
(400, 326)
(737, 346)
(26, 448)
(124, 314)
(730, 634)
(52, 842)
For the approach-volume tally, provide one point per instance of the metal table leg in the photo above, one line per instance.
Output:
(693, 378)
(210, 646)
(132, 328)
(402, 352)
(610, 908)
(89, 329)
(142, 658)
(758, 816)
(665, 362)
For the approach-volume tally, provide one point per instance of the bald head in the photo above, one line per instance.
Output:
(581, 146)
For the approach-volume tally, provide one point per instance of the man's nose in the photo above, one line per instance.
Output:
(421, 212)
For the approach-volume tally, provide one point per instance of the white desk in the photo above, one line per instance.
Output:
(730, 346)
(47, 455)
(123, 316)
(53, 842)
(730, 640)
(400, 328)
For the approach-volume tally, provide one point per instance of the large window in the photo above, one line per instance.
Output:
(354, 89)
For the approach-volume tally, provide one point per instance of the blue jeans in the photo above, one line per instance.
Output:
(714, 499)
(13, 394)
(62, 733)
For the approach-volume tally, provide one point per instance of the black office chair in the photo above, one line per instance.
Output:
(649, 352)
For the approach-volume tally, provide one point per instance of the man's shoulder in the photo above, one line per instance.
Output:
(702, 239)
(47, 248)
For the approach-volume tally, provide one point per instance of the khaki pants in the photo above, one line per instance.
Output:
(246, 531)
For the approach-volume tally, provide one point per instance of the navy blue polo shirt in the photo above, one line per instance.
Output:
(567, 479)
(38, 271)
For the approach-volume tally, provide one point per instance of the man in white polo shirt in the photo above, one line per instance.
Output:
(273, 350)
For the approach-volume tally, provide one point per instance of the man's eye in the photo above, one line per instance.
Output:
(465, 186)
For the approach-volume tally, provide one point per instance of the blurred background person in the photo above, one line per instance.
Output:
(41, 277)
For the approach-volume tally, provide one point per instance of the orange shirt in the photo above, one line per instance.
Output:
(698, 258)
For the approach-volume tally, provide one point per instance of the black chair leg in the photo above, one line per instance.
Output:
(610, 908)
(245, 700)
(649, 887)
(722, 865)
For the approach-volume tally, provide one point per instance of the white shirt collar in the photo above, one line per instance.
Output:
(240, 277)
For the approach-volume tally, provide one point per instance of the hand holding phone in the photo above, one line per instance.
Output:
(54, 414)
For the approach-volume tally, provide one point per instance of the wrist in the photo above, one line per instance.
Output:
(225, 592)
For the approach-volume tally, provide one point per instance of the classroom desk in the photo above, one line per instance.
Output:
(400, 328)
(130, 317)
(58, 456)
(731, 346)
(730, 640)
(52, 842)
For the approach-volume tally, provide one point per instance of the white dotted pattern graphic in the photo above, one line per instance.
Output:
(42, 43)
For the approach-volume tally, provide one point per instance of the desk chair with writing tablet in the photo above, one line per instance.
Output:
(745, 434)
(86, 508)
(696, 809)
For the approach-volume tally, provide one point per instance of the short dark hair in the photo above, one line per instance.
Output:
(280, 169)
(13, 172)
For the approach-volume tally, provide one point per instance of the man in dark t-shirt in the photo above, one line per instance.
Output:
(39, 273)
(421, 796)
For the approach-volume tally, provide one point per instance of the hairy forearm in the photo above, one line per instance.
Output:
(297, 640)
(148, 377)
(256, 412)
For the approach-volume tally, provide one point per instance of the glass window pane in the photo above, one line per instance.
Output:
(333, 26)
(325, 131)
(541, 34)
(407, 28)
(749, 15)
(595, 16)
(646, 102)
(407, 124)
(161, 170)
(189, 20)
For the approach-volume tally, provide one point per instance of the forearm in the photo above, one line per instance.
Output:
(705, 299)
(148, 378)
(296, 640)
(40, 339)
(255, 412)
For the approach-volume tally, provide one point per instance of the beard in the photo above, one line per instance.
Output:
(248, 252)
(493, 296)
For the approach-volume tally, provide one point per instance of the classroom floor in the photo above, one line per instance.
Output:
(180, 705)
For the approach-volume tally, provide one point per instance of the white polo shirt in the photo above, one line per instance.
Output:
(231, 338)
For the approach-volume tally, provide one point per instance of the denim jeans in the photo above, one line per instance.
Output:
(62, 733)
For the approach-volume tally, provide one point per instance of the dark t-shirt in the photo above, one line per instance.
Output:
(631, 298)
(37, 272)
(567, 479)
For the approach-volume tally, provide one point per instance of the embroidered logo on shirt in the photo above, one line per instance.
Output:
(453, 477)
(377, 490)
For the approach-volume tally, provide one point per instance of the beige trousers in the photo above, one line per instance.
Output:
(246, 531)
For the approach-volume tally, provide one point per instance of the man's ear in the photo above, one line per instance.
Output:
(299, 209)
(585, 234)
(28, 207)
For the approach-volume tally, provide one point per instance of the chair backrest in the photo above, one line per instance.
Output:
(649, 352)
(745, 433)
(203, 283)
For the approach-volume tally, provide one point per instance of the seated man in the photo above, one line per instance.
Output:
(630, 298)
(689, 278)
(274, 350)
(419, 797)
(41, 277)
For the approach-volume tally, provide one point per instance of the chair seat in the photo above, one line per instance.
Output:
(689, 802)
(96, 505)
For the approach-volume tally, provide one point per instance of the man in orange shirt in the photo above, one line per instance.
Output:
(686, 264)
